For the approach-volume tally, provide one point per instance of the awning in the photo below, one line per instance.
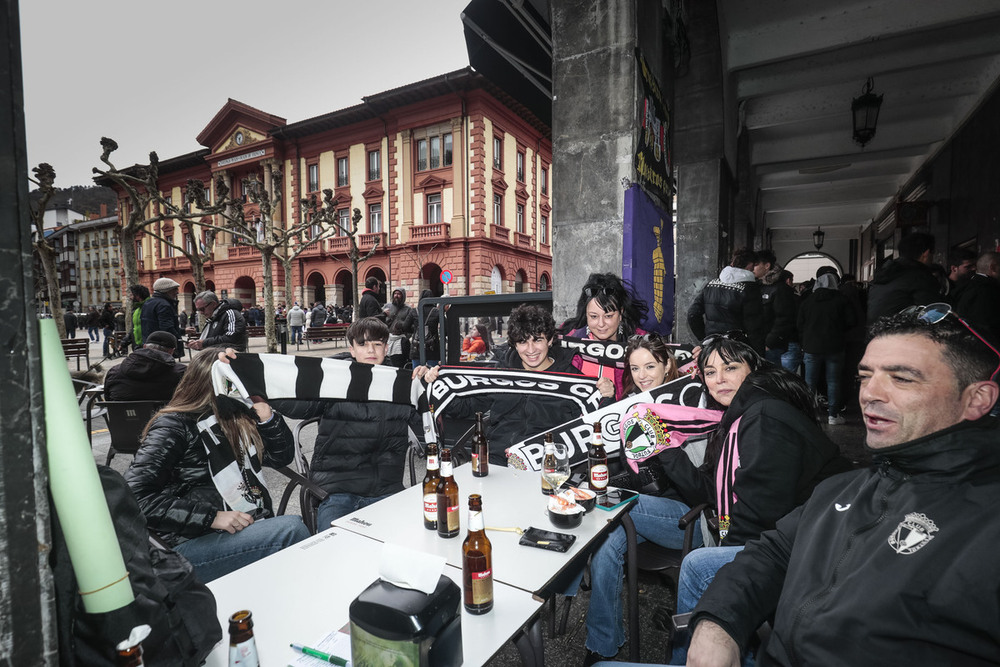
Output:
(510, 43)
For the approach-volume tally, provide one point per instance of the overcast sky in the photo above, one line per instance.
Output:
(152, 75)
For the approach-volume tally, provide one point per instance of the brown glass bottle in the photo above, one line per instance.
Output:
(242, 645)
(598, 463)
(447, 499)
(129, 657)
(477, 562)
(430, 487)
(480, 450)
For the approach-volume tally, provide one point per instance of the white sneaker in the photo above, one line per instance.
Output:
(836, 421)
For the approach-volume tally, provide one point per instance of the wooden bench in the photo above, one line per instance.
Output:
(334, 332)
(255, 332)
(78, 348)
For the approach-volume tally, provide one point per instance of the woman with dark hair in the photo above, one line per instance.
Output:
(514, 417)
(649, 363)
(762, 461)
(476, 343)
(607, 311)
(197, 476)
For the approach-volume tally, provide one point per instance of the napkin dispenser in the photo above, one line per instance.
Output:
(393, 625)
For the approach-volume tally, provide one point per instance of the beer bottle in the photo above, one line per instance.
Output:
(242, 646)
(447, 499)
(129, 652)
(548, 463)
(598, 464)
(477, 562)
(480, 450)
(430, 487)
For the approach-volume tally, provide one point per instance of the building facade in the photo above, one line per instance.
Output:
(87, 262)
(450, 174)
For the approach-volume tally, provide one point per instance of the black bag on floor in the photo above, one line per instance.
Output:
(180, 609)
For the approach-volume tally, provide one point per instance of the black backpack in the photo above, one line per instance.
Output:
(180, 609)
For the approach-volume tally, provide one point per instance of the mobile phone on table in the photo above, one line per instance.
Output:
(615, 498)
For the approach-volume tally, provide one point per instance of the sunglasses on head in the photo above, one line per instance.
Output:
(651, 336)
(736, 334)
(936, 312)
(591, 292)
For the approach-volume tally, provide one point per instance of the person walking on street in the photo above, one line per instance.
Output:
(107, 323)
(369, 305)
(139, 295)
(93, 324)
(398, 311)
(296, 321)
(159, 312)
(69, 319)
(824, 319)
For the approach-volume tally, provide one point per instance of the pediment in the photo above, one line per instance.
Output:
(237, 125)
(431, 183)
(499, 184)
(373, 191)
(521, 193)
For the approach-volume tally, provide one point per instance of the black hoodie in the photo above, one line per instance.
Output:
(901, 283)
(144, 375)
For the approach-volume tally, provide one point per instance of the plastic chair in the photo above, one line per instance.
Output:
(125, 420)
(651, 557)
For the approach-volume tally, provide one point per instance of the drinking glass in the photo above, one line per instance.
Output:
(557, 474)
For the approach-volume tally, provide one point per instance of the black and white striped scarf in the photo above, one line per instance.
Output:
(240, 484)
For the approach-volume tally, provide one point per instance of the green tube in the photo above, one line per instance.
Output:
(76, 488)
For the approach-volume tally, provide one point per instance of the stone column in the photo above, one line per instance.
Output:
(459, 179)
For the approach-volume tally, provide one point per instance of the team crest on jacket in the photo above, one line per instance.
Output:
(912, 533)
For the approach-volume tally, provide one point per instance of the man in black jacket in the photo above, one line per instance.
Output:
(895, 564)
(369, 305)
(225, 327)
(906, 280)
(159, 312)
(731, 302)
(148, 374)
(978, 297)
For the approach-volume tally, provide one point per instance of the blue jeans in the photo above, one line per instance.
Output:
(792, 358)
(655, 520)
(296, 334)
(94, 333)
(108, 335)
(774, 356)
(697, 572)
(337, 505)
(834, 364)
(219, 553)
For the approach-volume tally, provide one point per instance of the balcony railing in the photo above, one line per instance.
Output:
(339, 244)
(164, 263)
(243, 251)
(439, 231)
(523, 240)
(500, 233)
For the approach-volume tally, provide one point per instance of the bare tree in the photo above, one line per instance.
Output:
(45, 177)
(145, 205)
(327, 214)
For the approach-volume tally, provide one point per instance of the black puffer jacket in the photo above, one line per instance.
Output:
(894, 565)
(369, 306)
(171, 480)
(780, 312)
(824, 320)
(514, 417)
(775, 456)
(901, 283)
(144, 375)
(226, 328)
(730, 302)
(360, 447)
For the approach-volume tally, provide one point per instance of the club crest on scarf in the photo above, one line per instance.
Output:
(643, 435)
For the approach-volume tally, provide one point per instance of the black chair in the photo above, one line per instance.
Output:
(125, 420)
(651, 557)
(310, 495)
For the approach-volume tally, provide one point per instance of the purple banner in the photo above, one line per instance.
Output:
(648, 258)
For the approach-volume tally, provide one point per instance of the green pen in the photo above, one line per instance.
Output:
(332, 659)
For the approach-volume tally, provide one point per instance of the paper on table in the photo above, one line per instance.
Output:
(407, 568)
(336, 643)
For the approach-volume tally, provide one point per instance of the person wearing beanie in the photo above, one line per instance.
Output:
(159, 312)
(150, 373)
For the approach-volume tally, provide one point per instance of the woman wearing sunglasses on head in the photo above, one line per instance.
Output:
(606, 311)
(764, 459)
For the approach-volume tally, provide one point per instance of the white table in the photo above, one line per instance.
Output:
(510, 499)
(302, 593)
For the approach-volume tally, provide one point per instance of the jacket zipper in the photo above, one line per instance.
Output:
(883, 471)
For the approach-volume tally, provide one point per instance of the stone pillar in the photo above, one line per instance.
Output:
(460, 179)
(704, 181)
(593, 123)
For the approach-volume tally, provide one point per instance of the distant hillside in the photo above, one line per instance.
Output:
(85, 199)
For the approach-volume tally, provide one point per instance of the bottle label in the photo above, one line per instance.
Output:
(431, 507)
(475, 521)
(432, 462)
(475, 461)
(453, 523)
(482, 587)
(244, 655)
(599, 476)
(446, 469)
